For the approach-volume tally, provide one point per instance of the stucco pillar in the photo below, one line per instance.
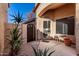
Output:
(3, 20)
(24, 33)
(54, 28)
(77, 28)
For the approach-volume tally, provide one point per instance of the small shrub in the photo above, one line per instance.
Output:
(39, 52)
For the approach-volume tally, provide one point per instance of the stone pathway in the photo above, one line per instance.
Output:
(60, 48)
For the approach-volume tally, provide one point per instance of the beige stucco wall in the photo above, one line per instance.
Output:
(61, 12)
(24, 32)
(8, 28)
(39, 27)
(39, 22)
(77, 28)
(3, 20)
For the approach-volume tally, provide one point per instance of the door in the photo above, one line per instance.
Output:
(30, 32)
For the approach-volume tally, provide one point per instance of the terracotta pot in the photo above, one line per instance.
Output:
(67, 41)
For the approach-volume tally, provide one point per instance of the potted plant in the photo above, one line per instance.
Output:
(67, 41)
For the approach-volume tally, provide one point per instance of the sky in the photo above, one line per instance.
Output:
(24, 8)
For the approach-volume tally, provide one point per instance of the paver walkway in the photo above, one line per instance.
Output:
(60, 48)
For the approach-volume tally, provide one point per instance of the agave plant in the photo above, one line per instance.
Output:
(15, 34)
(39, 52)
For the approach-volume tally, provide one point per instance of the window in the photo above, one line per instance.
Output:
(65, 26)
(61, 28)
(46, 26)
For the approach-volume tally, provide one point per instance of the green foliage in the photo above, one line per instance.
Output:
(15, 34)
(39, 52)
(17, 18)
(15, 41)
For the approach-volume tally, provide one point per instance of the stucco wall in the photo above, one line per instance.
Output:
(77, 28)
(39, 27)
(24, 32)
(3, 20)
(61, 12)
(8, 28)
(39, 23)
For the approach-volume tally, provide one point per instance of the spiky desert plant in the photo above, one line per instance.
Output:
(40, 52)
(17, 18)
(15, 41)
(15, 34)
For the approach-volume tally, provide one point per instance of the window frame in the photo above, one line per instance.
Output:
(63, 28)
(47, 28)
(68, 32)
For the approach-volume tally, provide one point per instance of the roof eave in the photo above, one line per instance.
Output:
(35, 8)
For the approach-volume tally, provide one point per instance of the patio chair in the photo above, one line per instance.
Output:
(56, 38)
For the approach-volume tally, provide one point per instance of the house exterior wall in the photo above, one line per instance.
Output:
(39, 22)
(24, 39)
(77, 28)
(24, 32)
(61, 12)
(3, 20)
(39, 27)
